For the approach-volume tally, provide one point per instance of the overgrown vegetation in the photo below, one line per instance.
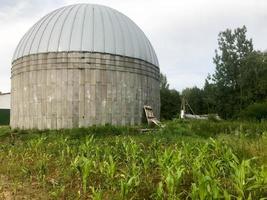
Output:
(238, 82)
(170, 100)
(185, 160)
(240, 75)
(4, 116)
(257, 111)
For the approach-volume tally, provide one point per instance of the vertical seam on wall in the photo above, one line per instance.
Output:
(155, 59)
(49, 20)
(115, 48)
(59, 38)
(74, 19)
(28, 35)
(151, 50)
(101, 15)
(33, 29)
(43, 34)
(144, 43)
(122, 33)
(104, 50)
(124, 20)
(112, 27)
(19, 45)
(83, 74)
(124, 45)
(85, 9)
(149, 59)
(130, 33)
(139, 43)
(93, 33)
(151, 56)
(17, 51)
(48, 42)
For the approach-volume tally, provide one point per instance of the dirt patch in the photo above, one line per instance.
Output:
(5, 193)
(19, 191)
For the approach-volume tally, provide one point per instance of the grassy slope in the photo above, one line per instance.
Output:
(199, 160)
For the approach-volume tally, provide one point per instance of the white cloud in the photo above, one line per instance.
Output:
(183, 33)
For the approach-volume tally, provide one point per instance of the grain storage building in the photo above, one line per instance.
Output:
(81, 65)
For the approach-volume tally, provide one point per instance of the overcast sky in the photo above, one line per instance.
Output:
(183, 32)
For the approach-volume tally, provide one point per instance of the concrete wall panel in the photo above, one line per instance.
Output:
(65, 90)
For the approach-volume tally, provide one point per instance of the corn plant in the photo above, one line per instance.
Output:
(126, 186)
(95, 164)
(97, 194)
(159, 194)
(86, 147)
(35, 144)
(205, 188)
(84, 166)
(246, 179)
(110, 167)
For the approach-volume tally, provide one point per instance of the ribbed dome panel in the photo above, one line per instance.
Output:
(87, 27)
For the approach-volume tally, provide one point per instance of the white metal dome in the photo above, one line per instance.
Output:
(86, 27)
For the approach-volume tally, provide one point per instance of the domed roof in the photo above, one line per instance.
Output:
(87, 27)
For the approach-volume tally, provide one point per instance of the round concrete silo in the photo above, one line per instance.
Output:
(81, 65)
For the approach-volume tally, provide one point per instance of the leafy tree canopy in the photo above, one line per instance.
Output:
(170, 100)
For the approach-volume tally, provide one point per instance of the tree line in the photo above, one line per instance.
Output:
(237, 88)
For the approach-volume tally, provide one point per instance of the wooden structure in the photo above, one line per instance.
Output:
(151, 119)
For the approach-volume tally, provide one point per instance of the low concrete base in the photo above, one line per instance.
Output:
(69, 89)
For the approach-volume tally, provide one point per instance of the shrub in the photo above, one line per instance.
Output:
(256, 111)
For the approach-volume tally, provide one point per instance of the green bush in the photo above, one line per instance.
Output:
(170, 104)
(4, 116)
(257, 111)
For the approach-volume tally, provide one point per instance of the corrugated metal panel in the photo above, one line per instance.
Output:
(87, 27)
(43, 34)
(76, 36)
(119, 38)
(109, 36)
(64, 41)
(55, 33)
(99, 39)
(88, 30)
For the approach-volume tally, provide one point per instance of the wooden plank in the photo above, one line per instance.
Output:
(151, 119)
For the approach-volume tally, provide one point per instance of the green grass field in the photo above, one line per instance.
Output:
(184, 160)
